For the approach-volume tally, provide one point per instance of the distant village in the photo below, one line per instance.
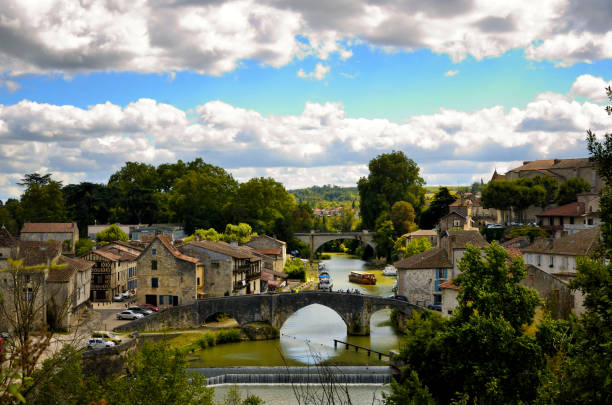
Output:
(158, 268)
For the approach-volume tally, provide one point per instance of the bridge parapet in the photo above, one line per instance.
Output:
(317, 239)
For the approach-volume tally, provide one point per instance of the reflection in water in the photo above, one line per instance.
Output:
(339, 266)
(312, 330)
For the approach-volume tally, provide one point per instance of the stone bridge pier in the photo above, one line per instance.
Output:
(274, 309)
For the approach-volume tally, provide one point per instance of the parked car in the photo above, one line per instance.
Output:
(125, 294)
(398, 297)
(118, 298)
(149, 307)
(435, 307)
(140, 310)
(495, 226)
(127, 314)
(99, 343)
(110, 336)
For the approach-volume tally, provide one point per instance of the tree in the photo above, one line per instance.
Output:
(393, 177)
(241, 233)
(303, 217)
(437, 209)
(532, 231)
(35, 178)
(135, 184)
(201, 198)
(43, 202)
(89, 203)
(550, 186)
(482, 353)
(402, 216)
(157, 374)
(498, 194)
(112, 234)
(83, 246)
(385, 239)
(568, 190)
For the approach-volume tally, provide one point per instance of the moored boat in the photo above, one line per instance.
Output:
(390, 271)
(325, 282)
(362, 277)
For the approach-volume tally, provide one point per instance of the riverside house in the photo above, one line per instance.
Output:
(166, 276)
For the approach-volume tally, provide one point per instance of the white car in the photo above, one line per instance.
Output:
(127, 314)
(125, 294)
(99, 343)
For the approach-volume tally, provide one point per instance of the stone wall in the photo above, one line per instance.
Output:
(175, 277)
(417, 285)
(217, 270)
(554, 292)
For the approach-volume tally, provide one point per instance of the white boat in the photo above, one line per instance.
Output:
(390, 271)
(325, 282)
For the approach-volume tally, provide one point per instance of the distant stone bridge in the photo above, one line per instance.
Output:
(354, 309)
(318, 239)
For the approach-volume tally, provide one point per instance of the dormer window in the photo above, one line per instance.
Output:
(153, 251)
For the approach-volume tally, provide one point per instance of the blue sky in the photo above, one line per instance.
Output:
(305, 92)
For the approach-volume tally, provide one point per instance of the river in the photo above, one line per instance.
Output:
(307, 338)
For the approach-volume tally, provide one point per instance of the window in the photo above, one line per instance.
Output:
(571, 220)
(590, 221)
(456, 222)
(214, 265)
(552, 261)
(27, 278)
(198, 278)
(564, 262)
(539, 260)
(153, 251)
(154, 282)
(153, 264)
(27, 294)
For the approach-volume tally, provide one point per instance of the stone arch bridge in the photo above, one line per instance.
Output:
(275, 309)
(318, 239)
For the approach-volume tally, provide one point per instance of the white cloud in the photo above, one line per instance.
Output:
(591, 87)
(451, 146)
(451, 73)
(212, 37)
(10, 85)
(318, 73)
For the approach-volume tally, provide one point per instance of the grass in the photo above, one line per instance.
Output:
(190, 342)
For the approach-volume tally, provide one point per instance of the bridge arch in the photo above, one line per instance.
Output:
(317, 239)
(321, 311)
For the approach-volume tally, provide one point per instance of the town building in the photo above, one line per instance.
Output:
(110, 273)
(166, 276)
(67, 233)
(454, 220)
(419, 276)
(228, 268)
(430, 234)
(571, 218)
(68, 291)
(8, 248)
(270, 247)
(127, 252)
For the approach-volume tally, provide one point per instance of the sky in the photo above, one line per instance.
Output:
(304, 91)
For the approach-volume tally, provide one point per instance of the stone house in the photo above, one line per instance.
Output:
(147, 233)
(454, 220)
(68, 290)
(430, 234)
(455, 243)
(166, 276)
(419, 276)
(449, 292)
(271, 247)
(228, 268)
(110, 273)
(8, 247)
(29, 284)
(555, 293)
(67, 233)
(571, 218)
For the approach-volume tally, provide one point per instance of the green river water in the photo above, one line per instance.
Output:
(307, 338)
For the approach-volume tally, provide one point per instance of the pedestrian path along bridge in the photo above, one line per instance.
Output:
(275, 309)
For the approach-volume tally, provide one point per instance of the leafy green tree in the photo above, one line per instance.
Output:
(89, 203)
(402, 215)
(205, 234)
(498, 194)
(8, 218)
(83, 246)
(393, 177)
(241, 233)
(385, 239)
(414, 247)
(201, 198)
(532, 231)
(135, 184)
(157, 374)
(437, 209)
(261, 202)
(569, 189)
(550, 186)
(303, 217)
(481, 353)
(35, 178)
(111, 234)
(43, 201)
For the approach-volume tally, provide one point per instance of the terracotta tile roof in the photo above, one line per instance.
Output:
(461, 202)
(268, 251)
(572, 163)
(72, 266)
(107, 255)
(6, 239)
(175, 252)
(129, 245)
(521, 241)
(34, 253)
(238, 252)
(420, 232)
(118, 250)
(449, 284)
(578, 244)
(430, 259)
(574, 209)
(51, 227)
(454, 213)
(534, 165)
(463, 237)
(269, 238)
